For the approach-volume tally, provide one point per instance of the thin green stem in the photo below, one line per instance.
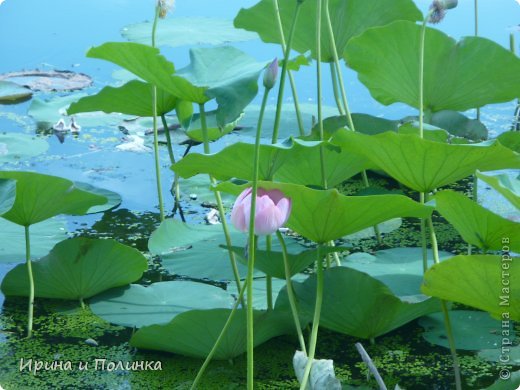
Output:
(421, 75)
(290, 292)
(315, 321)
(319, 92)
(155, 133)
(168, 139)
(335, 88)
(423, 236)
(175, 190)
(218, 198)
(476, 34)
(219, 338)
(445, 312)
(286, 47)
(30, 313)
(269, 278)
(252, 246)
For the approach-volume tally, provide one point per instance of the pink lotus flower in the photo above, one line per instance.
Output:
(272, 211)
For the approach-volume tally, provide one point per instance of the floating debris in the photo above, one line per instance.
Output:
(212, 217)
(47, 81)
(91, 342)
(133, 143)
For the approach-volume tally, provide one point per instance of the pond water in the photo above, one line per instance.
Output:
(55, 35)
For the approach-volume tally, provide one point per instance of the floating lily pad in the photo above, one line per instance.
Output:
(506, 384)
(187, 32)
(384, 227)
(44, 236)
(460, 125)
(49, 80)
(11, 93)
(472, 330)
(7, 195)
(357, 304)
(138, 306)
(194, 333)
(496, 354)
(113, 198)
(322, 216)
(457, 75)
(476, 224)
(426, 165)
(401, 269)
(478, 281)
(506, 185)
(39, 197)
(78, 268)
(19, 147)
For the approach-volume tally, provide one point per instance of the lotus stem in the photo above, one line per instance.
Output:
(445, 312)
(219, 338)
(475, 199)
(371, 366)
(319, 92)
(335, 88)
(290, 292)
(315, 321)
(175, 190)
(269, 278)
(30, 312)
(218, 198)
(338, 76)
(286, 47)
(155, 133)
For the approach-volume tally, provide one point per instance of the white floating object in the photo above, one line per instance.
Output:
(133, 143)
(60, 126)
(74, 126)
(212, 217)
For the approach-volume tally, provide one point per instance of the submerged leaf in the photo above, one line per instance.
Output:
(457, 75)
(77, 269)
(16, 147)
(478, 281)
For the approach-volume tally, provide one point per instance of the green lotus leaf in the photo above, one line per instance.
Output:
(506, 384)
(400, 269)
(137, 306)
(39, 197)
(511, 140)
(425, 165)
(322, 216)
(19, 147)
(478, 281)
(78, 268)
(457, 75)
(476, 224)
(44, 235)
(459, 125)
(294, 161)
(507, 186)
(494, 354)
(133, 98)
(472, 330)
(194, 333)
(430, 133)
(13, 93)
(372, 311)
(190, 31)
(215, 131)
(349, 18)
(7, 195)
(113, 198)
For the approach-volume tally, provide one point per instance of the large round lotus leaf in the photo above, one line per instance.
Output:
(186, 31)
(214, 130)
(348, 17)
(477, 225)
(77, 269)
(460, 125)
(13, 93)
(133, 98)
(260, 290)
(384, 227)
(17, 147)
(506, 384)
(495, 354)
(506, 185)
(39, 197)
(137, 306)
(511, 140)
(293, 161)
(49, 80)
(401, 269)
(205, 257)
(44, 235)
(322, 216)
(113, 198)
(194, 333)
(457, 75)
(7, 195)
(490, 283)
(357, 304)
(472, 330)
(199, 186)
(425, 165)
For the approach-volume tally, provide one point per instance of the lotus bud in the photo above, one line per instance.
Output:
(164, 7)
(272, 211)
(438, 9)
(270, 74)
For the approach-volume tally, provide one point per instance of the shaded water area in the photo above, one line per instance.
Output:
(57, 36)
